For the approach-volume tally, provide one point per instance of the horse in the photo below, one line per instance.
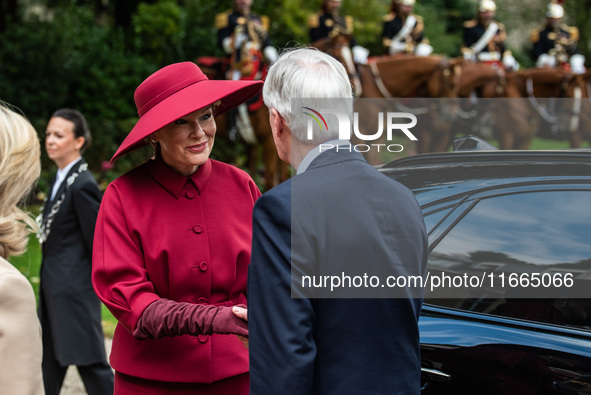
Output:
(425, 86)
(524, 102)
(583, 132)
(489, 97)
(260, 146)
(556, 95)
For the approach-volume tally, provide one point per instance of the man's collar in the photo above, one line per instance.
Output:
(314, 152)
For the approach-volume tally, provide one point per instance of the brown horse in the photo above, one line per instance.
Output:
(339, 48)
(583, 132)
(491, 99)
(522, 102)
(557, 96)
(425, 86)
(263, 149)
(560, 98)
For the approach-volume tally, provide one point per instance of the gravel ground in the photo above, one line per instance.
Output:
(73, 383)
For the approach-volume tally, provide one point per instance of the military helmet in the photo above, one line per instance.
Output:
(555, 10)
(486, 5)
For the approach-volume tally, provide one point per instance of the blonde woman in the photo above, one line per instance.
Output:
(20, 331)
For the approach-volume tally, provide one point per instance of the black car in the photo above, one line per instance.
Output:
(513, 230)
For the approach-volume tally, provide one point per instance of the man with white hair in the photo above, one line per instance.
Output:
(555, 44)
(337, 215)
(403, 31)
(484, 38)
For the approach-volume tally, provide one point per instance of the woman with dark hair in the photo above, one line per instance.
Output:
(172, 243)
(69, 310)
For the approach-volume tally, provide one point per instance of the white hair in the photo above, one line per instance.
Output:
(306, 73)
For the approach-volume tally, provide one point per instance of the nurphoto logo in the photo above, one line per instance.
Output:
(344, 124)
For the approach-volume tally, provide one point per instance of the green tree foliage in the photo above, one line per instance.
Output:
(159, 31)
(68, 60)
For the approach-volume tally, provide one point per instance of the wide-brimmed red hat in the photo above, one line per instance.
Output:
(175, 91)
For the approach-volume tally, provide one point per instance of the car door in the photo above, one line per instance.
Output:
(525, 325)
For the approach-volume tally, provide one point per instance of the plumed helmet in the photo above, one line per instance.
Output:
(407, 2)
(486, 5)
(555, 10)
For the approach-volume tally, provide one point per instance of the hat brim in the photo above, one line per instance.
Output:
(185, 101)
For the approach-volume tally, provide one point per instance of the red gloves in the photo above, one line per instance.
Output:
(167, 318)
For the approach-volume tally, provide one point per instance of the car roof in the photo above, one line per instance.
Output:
(454, 174)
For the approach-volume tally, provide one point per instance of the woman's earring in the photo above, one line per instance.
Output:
(153, 144)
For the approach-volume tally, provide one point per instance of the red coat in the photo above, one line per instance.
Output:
(188, 239)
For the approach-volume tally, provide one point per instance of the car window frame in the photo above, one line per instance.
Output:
(461, 206)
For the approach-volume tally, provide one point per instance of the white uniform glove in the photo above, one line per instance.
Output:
(227, 45)
(470, 55)
(510, 63)
(239, 39)
(423, 49)
(360, 54)
(545, 60)
(577, 64)
(396, 47)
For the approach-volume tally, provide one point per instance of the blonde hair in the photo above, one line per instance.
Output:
(20, 167)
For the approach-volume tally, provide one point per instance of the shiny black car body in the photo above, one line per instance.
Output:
(501, 212)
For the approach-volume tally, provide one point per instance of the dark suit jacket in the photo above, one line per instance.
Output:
(67, 299)
(337, 212)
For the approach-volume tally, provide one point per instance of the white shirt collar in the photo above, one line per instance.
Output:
(61, 174)
(310, 156)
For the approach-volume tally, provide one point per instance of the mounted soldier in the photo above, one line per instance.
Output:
(484, 39)
(243, 36)
(403, 31)
(328, 24)
(555, 44)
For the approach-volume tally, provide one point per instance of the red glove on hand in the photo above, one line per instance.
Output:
(167, 318)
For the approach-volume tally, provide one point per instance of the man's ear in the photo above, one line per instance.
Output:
(277, 122)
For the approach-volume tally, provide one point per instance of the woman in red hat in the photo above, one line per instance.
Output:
(172, 243)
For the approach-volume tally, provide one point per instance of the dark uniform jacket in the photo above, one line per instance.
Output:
(68, 302)
(254, 26)
(473, 30)
(551, 41)
(393, 23)
(323, 24)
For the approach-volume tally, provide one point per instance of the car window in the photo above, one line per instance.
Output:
(434, 218)
(548, 231)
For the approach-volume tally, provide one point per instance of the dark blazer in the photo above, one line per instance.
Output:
(67, 299)
(337, 212)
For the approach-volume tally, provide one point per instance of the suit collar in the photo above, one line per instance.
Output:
(332, 156)
(319, 149)
(62, 186)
